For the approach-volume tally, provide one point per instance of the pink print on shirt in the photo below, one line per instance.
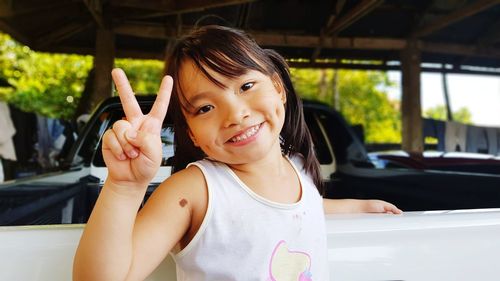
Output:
(286, 265)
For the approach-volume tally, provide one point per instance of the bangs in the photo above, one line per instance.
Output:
(230, 54)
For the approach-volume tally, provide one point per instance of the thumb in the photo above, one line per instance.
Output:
(148, 143)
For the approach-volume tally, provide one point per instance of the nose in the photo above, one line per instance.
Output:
(237, 111)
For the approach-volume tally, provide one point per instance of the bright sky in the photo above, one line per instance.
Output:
(479, 93)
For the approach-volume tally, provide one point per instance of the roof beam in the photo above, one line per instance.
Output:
(121, 53)
(243, 15)
(155, 5)
(6, 9)
(457, 49)
(95, 8)
(156, 31)
(167, 7)
(13, 9)
(491, 36)
(456, 16)
(360, 43)
(159, 56)
(194, 5)
(5, 27)
(331, 19)
(487, 39)
(142, 30)
(60, 34)
(283, 40)
(352, 16)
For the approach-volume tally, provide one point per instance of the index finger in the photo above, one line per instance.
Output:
(159, 109)
(129, 102)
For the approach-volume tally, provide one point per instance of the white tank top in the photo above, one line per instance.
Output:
(247, 237)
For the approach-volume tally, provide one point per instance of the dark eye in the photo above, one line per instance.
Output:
(204, 109)
(247, 86)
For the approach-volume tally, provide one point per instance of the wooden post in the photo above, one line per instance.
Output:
(103, 64)
(410, 104)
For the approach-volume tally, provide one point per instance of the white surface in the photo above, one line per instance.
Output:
(440, 245)
(102, 174)
(456, 245)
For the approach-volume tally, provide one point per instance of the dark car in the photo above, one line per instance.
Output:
(68, 196)
(438, 160)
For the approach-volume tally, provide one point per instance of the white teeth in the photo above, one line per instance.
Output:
(250, 132)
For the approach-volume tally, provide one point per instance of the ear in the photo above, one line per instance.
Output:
(193, 139)
(278, 85)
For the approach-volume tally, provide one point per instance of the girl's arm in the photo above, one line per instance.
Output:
(118, 243)
(333, 206)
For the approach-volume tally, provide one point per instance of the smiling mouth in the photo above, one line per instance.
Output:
(246, 134)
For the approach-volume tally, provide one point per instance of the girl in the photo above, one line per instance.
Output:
(246, 207)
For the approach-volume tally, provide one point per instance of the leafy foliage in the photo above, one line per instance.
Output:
(462, 115)
(361, 99)
(49, 84)
(52, 85)
(144, 75)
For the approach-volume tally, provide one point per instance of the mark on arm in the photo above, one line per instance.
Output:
(183, 202)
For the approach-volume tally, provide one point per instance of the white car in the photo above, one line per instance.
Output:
(42, 218)
(436, 245)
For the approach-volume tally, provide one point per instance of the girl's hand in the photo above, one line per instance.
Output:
(132, 148)
(378, 206)
(336, 206)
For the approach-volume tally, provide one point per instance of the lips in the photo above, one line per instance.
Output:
(246, 134)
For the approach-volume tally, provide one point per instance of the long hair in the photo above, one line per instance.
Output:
(232, 53)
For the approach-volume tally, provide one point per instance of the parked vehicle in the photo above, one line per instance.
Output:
(438, 160)
(437, 245)
(43, 217)
(68, 196)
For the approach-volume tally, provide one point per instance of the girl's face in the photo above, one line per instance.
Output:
(238, 124)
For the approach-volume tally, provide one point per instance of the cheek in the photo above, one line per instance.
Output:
(202, 132)
(194, 131)
(272, 105)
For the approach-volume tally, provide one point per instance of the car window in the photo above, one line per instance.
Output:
(167, 140)
(320, 143)
(93, 135)
(322, 150)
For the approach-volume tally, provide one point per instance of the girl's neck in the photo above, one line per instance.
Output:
(272, 178)
(273, 164)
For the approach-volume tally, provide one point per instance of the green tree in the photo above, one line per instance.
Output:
(144, 75)
(462, 115)
(361, 99)
(52, 84)
(48, 84)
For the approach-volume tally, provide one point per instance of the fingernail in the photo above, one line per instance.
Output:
(122, 156)
(132, 134)
(133, 153)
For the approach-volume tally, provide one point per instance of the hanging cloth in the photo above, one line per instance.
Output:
(7, 131)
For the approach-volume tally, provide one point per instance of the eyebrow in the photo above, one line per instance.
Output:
(206, 94)
(197, 97)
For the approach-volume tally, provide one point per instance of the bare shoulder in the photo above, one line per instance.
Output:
(190, 176)
(187, 187)
(170, 214)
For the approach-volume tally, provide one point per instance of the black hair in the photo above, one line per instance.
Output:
(231, 53)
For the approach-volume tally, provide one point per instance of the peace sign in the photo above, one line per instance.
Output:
(132, 148)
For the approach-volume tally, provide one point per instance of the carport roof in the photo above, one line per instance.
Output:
(453, 35)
